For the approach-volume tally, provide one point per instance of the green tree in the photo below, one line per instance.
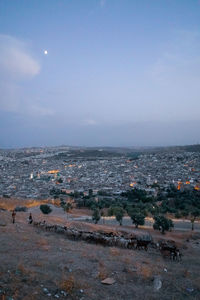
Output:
(137, 218)
(60, 180)
(155, 210)
(62, 202)
(102, 216)
(67, 206)
(96, 216)
(178, 215)
(90, 193)
(119, 213)
(46, 209)
(162, 224)
(76, 194)
(193, 216)
(111, 211)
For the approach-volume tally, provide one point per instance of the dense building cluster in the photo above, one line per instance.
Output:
(34, 172)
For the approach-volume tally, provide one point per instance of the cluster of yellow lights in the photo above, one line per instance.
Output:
(132, 184)
(53, 171)
(179, 185)
(70, 166)
(197, 187)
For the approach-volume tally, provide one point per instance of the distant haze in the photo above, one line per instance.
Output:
(116, 73)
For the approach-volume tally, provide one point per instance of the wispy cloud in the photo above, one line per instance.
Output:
(102, 3)
(15, 59)
(90, 122)
(37, 110)
(181, 59)
(173, 80)
(17, 65)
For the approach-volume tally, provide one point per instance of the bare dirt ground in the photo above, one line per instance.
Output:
(35, 264)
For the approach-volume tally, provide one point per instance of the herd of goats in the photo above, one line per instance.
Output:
(112, 239)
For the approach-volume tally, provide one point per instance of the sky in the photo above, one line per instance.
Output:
(117, 73)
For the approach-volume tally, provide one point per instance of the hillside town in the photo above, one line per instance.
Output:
(34, 172)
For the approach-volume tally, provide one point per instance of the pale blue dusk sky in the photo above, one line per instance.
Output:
(117, 72)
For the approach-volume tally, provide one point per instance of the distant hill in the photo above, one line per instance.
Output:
(92, 151)
(188, 148)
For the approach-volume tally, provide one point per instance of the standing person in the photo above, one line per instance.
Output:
(30, 219)
(13, 216)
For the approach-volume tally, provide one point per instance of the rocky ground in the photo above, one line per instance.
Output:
(35, 264)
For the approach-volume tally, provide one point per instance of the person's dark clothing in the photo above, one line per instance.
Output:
(13, 216)
(30, 219)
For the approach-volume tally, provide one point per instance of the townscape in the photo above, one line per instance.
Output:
(34, 172)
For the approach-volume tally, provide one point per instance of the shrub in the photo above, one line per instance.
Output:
(67, 206)
(21, 208)
(178, 215)
(46, 209)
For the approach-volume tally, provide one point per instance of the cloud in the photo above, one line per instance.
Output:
(102, 3)
(15, 60)
(180, 60)
(37, 110)
(90, 122)
(17, 65)
(173, 79)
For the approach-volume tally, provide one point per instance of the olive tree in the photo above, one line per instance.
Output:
(119, 213)
(96, 216)
(162, 224)
(137, 218)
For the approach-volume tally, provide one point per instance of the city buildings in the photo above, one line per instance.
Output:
(34, 172)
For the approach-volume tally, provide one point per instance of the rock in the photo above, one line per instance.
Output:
(125, 270)
(133, 269)
(3, 224)
(115, 272)
(157, 283)
(45, 290)
(190, 290)
(108, 281)
(63, 293)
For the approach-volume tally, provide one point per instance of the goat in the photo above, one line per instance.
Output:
(142, 244)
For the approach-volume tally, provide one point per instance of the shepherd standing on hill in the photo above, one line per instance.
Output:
(30, 219)
(13, 216)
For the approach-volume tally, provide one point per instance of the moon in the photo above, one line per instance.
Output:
(45, 52)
